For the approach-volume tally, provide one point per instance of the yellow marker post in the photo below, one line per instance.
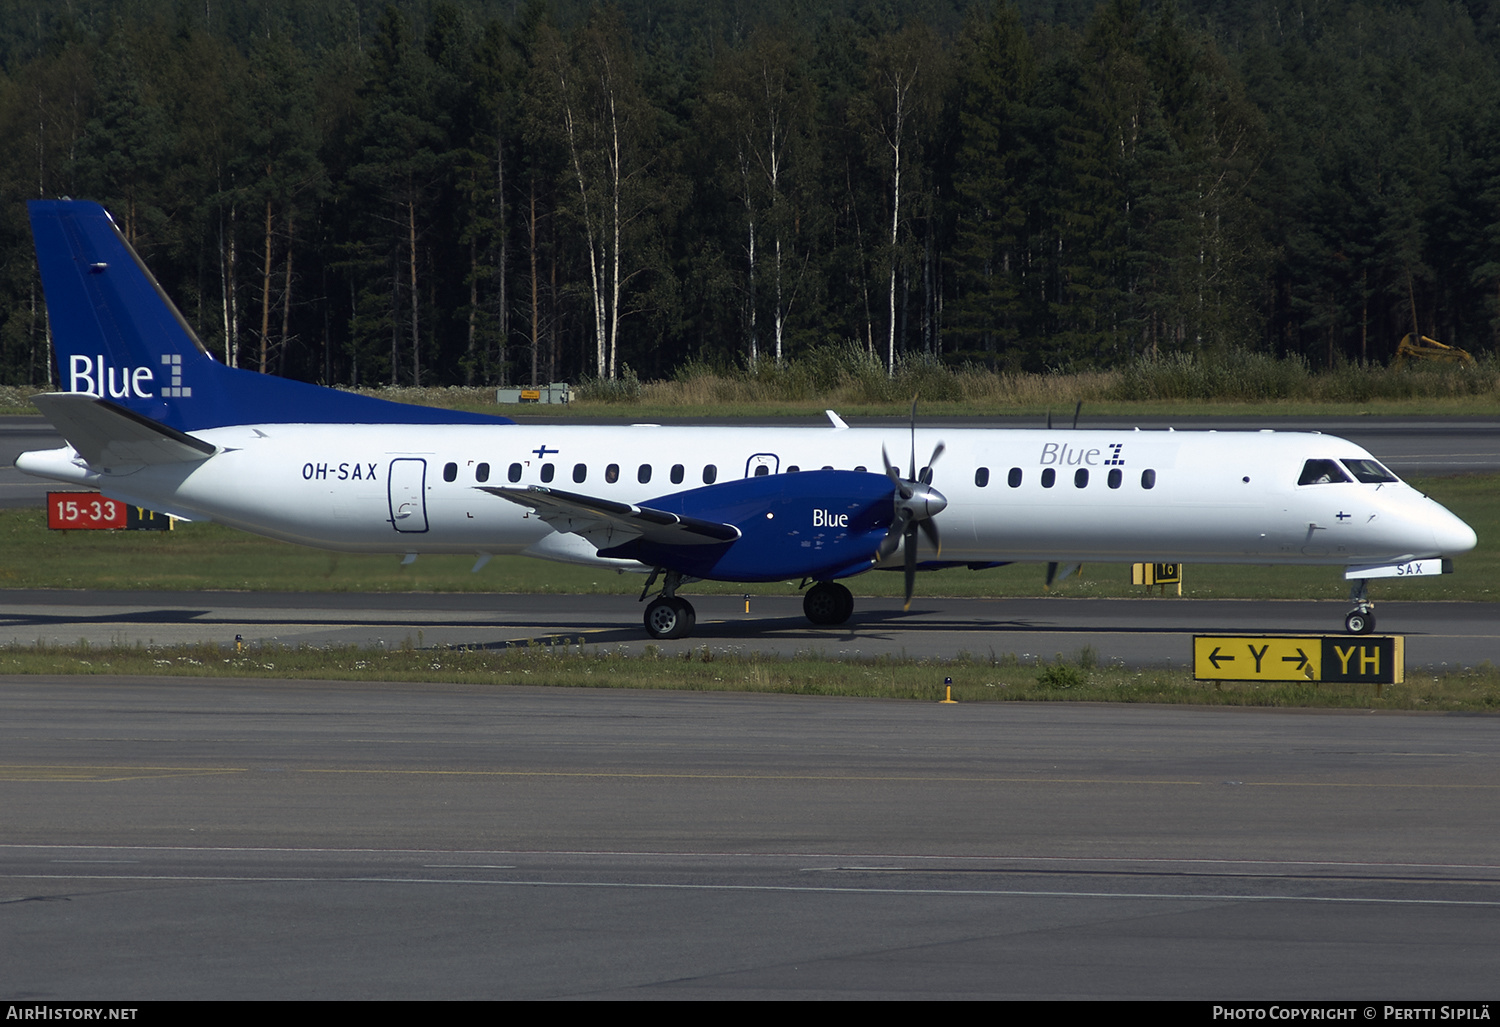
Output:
(948, 699)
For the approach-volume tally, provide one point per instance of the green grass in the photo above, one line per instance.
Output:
(651, 411)
(1238, 384)
(566, 663)
(210, 556)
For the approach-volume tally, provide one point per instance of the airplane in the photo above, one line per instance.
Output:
(153, 419)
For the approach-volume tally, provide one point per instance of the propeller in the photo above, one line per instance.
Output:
(1053, 575)
(916, 504)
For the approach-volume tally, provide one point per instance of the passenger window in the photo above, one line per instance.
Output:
(612, 473)
(1115, 477)
(514, 474)
(861, 468)
(547, 472)
(982, 477)
(1321, 472)
(1015, 478)
(482, 473)
(1049, 478)
(676, 474)
(1148, 479)
(580, 472)
(762, 471)
(828, 467)
(1081, 478)
(643, 473)
(792, 469)
(450, 472)
(710, 474)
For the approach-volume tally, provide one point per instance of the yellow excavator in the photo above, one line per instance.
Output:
(1421, 348)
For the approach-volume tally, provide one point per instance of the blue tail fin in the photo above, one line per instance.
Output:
(118, 336)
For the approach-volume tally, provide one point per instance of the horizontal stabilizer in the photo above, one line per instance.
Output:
(606, 523)
(108, 436)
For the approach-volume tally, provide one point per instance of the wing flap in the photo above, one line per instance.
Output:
(107, 435)
(606, 523)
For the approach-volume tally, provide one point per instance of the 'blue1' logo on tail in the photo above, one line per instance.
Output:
(94, 376)
(173, 361)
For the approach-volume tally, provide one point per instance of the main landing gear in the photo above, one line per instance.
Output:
(670, 617)
(828, 603)
(1361, 619)
(667, 616)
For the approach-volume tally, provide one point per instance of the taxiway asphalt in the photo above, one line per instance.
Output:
(180, 839)
(1155, 632)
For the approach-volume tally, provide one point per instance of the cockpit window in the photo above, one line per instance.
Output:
(1369, 471)
(1321, 472)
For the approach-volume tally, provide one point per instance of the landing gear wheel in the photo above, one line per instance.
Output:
(670, 618)
(1359, 622)
(828, 602)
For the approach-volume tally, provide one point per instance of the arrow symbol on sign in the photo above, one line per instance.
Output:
(1300, 659)
(1215, 658)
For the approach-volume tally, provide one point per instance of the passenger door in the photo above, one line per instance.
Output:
(406, 484)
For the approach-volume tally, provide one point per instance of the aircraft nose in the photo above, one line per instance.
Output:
(1453, 535)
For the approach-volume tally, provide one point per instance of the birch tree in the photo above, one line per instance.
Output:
(898, 108)
(763, 108)
(592, 108)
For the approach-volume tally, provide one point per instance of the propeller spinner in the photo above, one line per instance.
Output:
(916, 504)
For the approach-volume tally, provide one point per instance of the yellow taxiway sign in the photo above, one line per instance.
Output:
(1374, 659)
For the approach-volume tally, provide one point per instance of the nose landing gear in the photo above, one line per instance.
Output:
(1361, 619)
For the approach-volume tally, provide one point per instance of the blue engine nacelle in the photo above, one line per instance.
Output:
(810, 524)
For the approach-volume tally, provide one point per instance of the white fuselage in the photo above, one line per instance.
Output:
(1192, 497)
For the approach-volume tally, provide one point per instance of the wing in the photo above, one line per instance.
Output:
(606, 524)
(108, 435)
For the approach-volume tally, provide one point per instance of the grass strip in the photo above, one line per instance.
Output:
(568, 663)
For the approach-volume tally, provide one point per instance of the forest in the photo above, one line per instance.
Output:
(471, 192)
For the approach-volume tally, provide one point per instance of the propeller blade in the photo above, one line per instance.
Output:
(912, 473)
(894, 535)
(916, 503)
(892, 473)
(937, 451)
(911, 563)
(1056, 574)
(929, 528)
